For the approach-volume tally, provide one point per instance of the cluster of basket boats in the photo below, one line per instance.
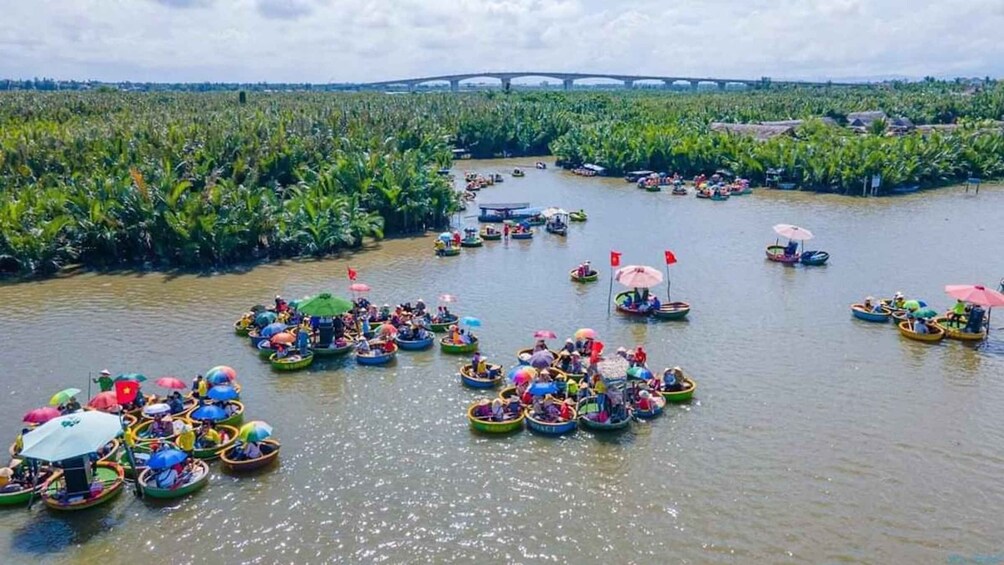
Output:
(906, 314)
(148, 438)
(628, 394)
(384, 339)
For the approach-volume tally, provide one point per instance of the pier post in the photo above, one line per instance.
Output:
(506, 84)
(568, 83)
(455, 85)
(694, 84)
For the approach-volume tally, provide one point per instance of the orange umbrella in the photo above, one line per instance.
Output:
(104, 401)
(283, 337)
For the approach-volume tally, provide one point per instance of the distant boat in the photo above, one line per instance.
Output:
(905, 189)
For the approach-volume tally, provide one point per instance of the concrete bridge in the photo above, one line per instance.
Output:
(568, 80)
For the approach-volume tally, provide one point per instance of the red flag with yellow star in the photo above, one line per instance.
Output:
(125, 391)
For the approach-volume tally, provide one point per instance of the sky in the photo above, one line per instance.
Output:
(325, 41)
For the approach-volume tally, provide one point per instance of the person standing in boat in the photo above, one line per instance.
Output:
(505, 232)
(104, 381)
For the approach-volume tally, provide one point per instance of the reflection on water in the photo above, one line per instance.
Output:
(813, 437)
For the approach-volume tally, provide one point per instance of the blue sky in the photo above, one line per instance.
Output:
(370, 40)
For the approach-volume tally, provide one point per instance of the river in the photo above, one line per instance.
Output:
(813, 437)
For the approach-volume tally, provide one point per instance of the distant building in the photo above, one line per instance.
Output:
(862, 121)
(795, 123)
(760, 132)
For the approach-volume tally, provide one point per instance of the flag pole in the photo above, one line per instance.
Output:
(668, 283)
(610, 292)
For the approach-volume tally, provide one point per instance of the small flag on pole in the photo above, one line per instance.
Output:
(352, 274)
(670, 258)
(615, 258)
(125, 391)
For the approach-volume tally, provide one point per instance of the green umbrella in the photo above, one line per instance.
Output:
(130, 377)
(911, 305)
(63, 396)
(925, 313)
(325, 306)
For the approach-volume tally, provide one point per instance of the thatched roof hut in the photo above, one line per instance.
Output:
(760, 132)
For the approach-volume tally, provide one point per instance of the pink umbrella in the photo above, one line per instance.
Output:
(171, 382)
(544, 334)
(638, 276)
(792, 232)
(41, 415)
(107, 401)
(387, 329)
(447, 298)
(359, 287)
(976, 294)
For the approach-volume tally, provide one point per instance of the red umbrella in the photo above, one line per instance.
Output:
(387, 329)
(41, 415)
(104, 401)
(638, 276)
(544, 334)
(284, 337)
(171, 382)
(359, 287)
(976, 294)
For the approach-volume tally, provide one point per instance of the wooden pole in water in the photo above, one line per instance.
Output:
(668, 284)
(610, 292)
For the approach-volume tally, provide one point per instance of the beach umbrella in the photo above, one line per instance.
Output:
(540, 389)
(447, 298)
(71, 436)
(171, 382)
(272, 329)
(541, 359)
(131, 377)
(585, 333)
(104, 401)
(158, 409)
(386, 330)
(470, 322)
(265, 318)
(912, 305)
(792, 232)
(223, 392)
(228, 372)
(975, 294)
(925, 313)
(544, 334)
(446, 236)
(521, 374)
(217, 379)
(638, 276)
(325, 306)
(63, 396)
(166, 458)
(209, 412)
(43, 415)
(359, 287)
(640, 373)
(284, 338)
(255, 431)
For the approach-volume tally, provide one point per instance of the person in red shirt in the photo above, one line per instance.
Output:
(505, 232)
(456, 238)
(644, 401)
(566, 410)
(640, 357)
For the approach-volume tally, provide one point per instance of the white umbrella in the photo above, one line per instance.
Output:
(156, 409)
(71, 436)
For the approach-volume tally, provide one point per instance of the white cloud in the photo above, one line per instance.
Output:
(354, 40)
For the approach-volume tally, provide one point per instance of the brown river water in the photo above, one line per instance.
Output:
(813, 437)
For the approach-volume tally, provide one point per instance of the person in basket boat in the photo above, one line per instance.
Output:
(899, 301)
(672, 380)
(513, 408)
(791, 248)
(207, 436)
(975, 324)
(303, 342)
(176, 402)
(959, 311)
(72, 405)
(489, 230)
(645, 401)
(539, 346)
(199, 386)
(920, 325)
(546, 410)
(483, 410)
(162, 426)
(568, 348)
(498, 411)
(419, 307)
(640, 357)
(870, 305)
(584, 270)
(572, 389)
(104, 381)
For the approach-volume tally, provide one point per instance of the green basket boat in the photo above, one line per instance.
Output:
(490, 427)
(447, 347)
(241, 330)
(110, 475)
(492, 236)
(21, 497)
(212, 452)
(683, 395)
(573, 274)
(199, 478)
(578, 216)
(444, 325)
(450, 252)
(291, 363)
(476, 242)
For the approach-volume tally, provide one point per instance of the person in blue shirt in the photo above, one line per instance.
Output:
(656, 304)
(303, 341)
(791, 248)
(920, 326)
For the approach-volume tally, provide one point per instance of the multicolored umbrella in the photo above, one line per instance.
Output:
(158, 409)
(218, 379)
(209, 412)
(228, 372)
(255, 431)
(71, 436)
(521, 374)
(103, 401)
(223, 392)
(639, 373)
(585, 333)
(638, 276)
(272, 329)
(325, 306)
(131, 377)
(166, 458)
(387, 330)
(470, 322)
(544, 334)
(975, 294)
(792, 232)
(285, 338)
(63, 396)
(171, 382)
(41, 415)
